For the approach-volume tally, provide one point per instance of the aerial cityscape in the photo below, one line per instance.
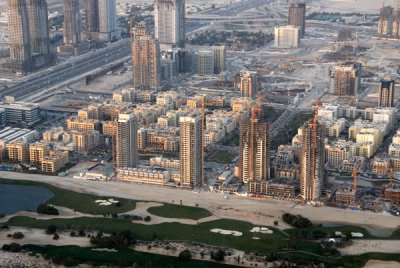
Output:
(194, 133)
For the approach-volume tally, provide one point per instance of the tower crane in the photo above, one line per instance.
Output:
(356, 168)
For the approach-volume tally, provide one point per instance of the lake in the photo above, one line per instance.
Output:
(14, 198)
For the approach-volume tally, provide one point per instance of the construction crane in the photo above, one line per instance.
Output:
(390, 170)
(356, 168)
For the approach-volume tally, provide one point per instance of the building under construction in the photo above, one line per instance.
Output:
(345, 79)
(385, 24)
(392, 193)
(312, 160)
(345, 195)
(254, 149)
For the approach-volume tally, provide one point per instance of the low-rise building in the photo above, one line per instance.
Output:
(38, 151)
(55, 161)
(79, 124)
(166, 163)
(144, 176)
(271, 189)
(18, 151)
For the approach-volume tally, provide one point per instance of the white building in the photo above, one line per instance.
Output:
(287, 36)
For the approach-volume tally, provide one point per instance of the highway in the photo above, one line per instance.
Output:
(69, 69)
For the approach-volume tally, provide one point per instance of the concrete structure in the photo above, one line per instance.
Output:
(55, 161)
(19, 37)
(287, 36)
(345, 80)
(126, 151)
(191, 151)
(18, 151)
(39, 33)
(21, 113)
(312, 161)
(271, 189)
(145, 176)
(73, 44)
(385, 23)
(297, 16)
(386, 92)
(37, 151)
(203, 62)
(249, 84)
(169, 18)
(146, 59)
(254, 162)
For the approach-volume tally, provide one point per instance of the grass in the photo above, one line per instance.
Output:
(84, 203)
(123, 257)
(179, 212)
(220, 156)
(176, 231)
(331, 230)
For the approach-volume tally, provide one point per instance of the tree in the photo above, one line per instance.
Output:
(219, 255)
(56, 236)
(46, 209)
(18, 235)
(51, 229)
(185, 255)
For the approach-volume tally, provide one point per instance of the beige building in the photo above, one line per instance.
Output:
(167, 163)
(126, 142)
(109, 128)
(54, 162)
(143, 176)
(85, 142)
(38, 151)
(18, 151)
(287, 36)
(191, 151)
(249, 84)
(79, 124)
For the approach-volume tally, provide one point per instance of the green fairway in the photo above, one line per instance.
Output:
(123, 257)
(179, 212)
(80, 202)
(331, 230)
(176, 231)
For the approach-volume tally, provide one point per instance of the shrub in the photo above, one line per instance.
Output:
(219, 255)
(18, 235)
(13, 247)
(185, 255)
(276, 223)
(123, 238)
(72, 234)
(56, 236)
(46, 209)
(296, 220)
(51, 229)
(147, 218)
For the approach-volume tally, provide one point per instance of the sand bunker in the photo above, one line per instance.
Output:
(113, 201)
(108, 202)
(358, 235)
(255, 238)
(100, 201)
(226, 232)
(105, 204)
(263, 230)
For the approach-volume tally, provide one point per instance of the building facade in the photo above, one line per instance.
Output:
(386, 92)
(126, 150)
(191, 151)
(345, 80)
(297, 16)
(249, 84)
(312, 161)
(169, 18)
(287, 36)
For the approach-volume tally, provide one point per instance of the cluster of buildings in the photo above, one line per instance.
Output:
(389, 22)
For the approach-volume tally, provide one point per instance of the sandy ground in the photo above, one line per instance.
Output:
(21, 260)
(364, 246)
(262, 212)
(382, 264)
(39, 237)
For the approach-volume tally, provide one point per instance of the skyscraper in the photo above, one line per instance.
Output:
(19, 40)
(385, 24)
(249, 84)
(345, 80)
(107, 15)
(126, 149)
(386, 92)
(39, 32)
(297, 16)
(254, 150)
(312, 160)
(72, 22)
(396, 24)
(146, 59)
(191, 151)
(91, 15)
(169, 17)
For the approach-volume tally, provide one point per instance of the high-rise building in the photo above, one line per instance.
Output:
(312, 160)
(107, 15)
(191, 151)
(385, 24)
(345, 80)
(169, 18)
(126, 147)
(396, 24)
(297, 16)
(91, 15)
(39, 32)
(254, 150)
(249, 84)
(386, 92)
(72, 22)
(146, 59)
(19, 41)
(203, 62)
(287, 36)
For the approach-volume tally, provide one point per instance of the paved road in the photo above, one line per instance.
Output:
(69, 69)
